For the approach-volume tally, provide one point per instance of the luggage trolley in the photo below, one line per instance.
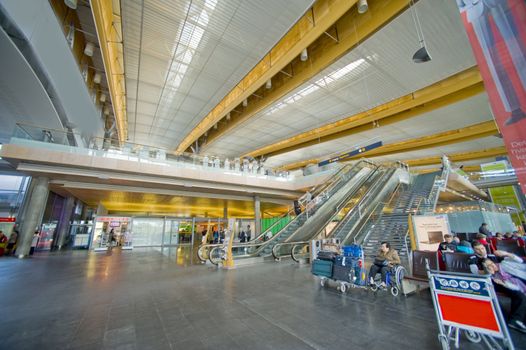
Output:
(347, 270)
(468, 303)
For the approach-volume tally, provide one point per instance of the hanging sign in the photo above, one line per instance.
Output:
(351, 154)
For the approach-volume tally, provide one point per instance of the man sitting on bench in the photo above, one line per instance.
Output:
(385, 259)
(475, 261)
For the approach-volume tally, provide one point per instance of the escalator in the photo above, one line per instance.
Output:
(353, 213)
(326, 198)
(349, 230)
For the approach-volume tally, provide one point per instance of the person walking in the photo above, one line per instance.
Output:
(248, 233)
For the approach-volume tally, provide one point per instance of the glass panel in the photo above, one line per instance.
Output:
(185, 232)
(171, 233)
(147, 232)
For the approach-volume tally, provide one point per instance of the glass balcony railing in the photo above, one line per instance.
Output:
(71, 142)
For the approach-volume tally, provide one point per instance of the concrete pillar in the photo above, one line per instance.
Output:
(33, 215)
(257, 216)
(225, 211)
(65, 218)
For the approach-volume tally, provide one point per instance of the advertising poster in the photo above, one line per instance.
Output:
(430, 230)
(503, 195)
(497, 33)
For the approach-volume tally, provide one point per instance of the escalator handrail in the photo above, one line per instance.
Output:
(349, 195)
(338, 209)
(261, 243)
(329, 185)
(275, 236)
(344, 202)
(365, 198)
(274, 254)
(357, 232)
(206, 245)
(292, 255)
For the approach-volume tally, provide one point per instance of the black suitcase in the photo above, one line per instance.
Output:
(341, 273)
(326, 255)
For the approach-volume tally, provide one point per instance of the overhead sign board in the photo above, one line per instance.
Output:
(350, 154)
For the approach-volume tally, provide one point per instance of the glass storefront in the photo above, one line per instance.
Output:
(147, 232)
(104, 225)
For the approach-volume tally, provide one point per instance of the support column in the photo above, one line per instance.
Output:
(225, 211)
(64, 225)
(33, 216)
(257, 216)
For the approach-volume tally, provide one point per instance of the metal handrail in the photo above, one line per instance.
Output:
(366, 197)
(373, 212)
(274, 254)
(358, 206)
(305, 213)
(301, 244)
(206, 245)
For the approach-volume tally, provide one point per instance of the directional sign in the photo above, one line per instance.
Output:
(351, 153)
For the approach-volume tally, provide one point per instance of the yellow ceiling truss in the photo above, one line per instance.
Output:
(329, 30)
(459, 157)
(451, 90)
(464, 134)
(109, 31)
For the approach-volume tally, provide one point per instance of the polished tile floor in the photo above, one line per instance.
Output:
(148, 299)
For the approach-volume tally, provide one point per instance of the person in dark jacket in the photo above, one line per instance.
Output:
(485, 231)
(385, 259)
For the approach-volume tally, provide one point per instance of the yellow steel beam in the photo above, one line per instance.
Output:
(450, 90)
(344, 28)
(459, 157)
(108, 28)
(467, 133)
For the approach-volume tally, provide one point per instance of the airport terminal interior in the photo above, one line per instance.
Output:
(263, 174)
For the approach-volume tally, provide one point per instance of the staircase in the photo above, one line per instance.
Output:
(392, 226)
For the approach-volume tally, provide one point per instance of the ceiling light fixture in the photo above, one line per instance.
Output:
(268, 84)
(88, 50)
(304, 55)
(421, 55)
(72, 4)
(106, 110)
(97, 78)
(228, 116)
(245, 102)
(362, 6)
(215, 126)
(102, 98)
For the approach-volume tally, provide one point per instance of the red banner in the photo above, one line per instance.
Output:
(7, 219)
(497, 32)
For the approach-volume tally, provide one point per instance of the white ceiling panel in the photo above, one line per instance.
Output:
(187, 55)
(376, 72)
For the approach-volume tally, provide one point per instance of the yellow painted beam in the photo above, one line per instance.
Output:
(459, 157)
(453, 89)
(113, 58)
(345, 29)
(468, 133)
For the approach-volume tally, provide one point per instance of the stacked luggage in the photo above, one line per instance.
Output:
(347, 269)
